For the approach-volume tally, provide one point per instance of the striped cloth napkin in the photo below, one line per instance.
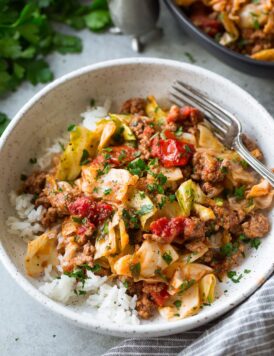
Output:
(246, 330)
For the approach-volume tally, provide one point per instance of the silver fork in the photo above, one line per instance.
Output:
(227, 128)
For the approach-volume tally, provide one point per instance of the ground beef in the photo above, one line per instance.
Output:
(35, 183)
(50, 217)
(194, 228)
(145, 306)
(221, 266)
(76, 255)
(256, 41)
(256, 226)
(227, 218)
(196, 246)
(134, 106)
(134, 288)
(149, 288)
(187, 171)
(208, 168)
(186, 115)
(212, 190)
(252, 147)
(43, 200)
(143, 131)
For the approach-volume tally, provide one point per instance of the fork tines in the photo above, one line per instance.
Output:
(224, 123)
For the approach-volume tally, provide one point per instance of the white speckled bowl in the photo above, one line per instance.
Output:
(48, 114)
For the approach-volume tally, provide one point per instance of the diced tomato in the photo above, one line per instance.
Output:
(207, 24)
(177, 114)
(85, 207)
(160, 297)
(168, 229)
(86, 230)
(171, 152)
(116, 156)
(175, 153)
(155, 147)
(121, 155)
(169, 134)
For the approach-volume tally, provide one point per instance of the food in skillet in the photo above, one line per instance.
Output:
(245, 26)
(141, 212)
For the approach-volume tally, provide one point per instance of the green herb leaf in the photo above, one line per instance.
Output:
(190, 57)
(135, 269)
(255, 243)
(177, 304)
(186, 285)
(239, 192)
(167, 257)
(4, 120)
(107, 191)
(84, 159)
(233, 276)
(71, 127)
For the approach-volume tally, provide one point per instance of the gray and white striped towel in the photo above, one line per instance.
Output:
(246, 330)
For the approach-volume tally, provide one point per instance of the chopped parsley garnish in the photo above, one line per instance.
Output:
(224, 170)
(239, 192)
(23, 177)
(33, 160)
(190, 57)
(234, 277)
(153, 162)
(71, 127)
(95, 268)
(172, 198)
(107, 149)
(162, 202)
(107, 191)
(84, 159)
(161, 178)
(142, 195)
(244, 164)
(145, 209)
(228, 249)
(167, 257)
(160, 274)
(179, 131)
(77, 220)
(79, 292)
(137, 167)
(122, 155)
(135, 269)
(105, 170)
(186, 285)
(247, 271)
(255, 243)
(188, 149)
(177, 304)
(125, 283)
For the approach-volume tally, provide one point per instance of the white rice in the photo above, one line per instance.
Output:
(108, 302)
(28, 224)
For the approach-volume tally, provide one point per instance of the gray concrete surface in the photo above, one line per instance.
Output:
(25, 327)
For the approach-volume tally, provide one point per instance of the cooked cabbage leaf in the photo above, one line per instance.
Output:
(81, 140)
(41, 252)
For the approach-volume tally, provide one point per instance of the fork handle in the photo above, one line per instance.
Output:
(252, 161)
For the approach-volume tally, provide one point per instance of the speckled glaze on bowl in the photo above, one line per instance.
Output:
(49, 112)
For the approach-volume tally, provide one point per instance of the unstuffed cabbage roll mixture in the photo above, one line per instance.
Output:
(246, 26)
(150, 204)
